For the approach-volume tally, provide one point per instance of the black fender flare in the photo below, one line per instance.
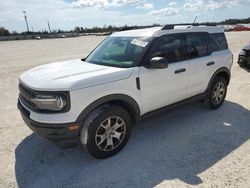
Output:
(121, 99)
(224, 70)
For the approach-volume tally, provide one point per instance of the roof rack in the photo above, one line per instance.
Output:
(171, 26)
(164, 27)
(126, 28)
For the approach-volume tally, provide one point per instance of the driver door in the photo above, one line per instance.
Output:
(162, 87)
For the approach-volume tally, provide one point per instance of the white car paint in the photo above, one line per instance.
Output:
(161, 87)
(71, 75)
(88, 82)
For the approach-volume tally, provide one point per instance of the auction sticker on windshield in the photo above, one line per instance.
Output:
(139, 43)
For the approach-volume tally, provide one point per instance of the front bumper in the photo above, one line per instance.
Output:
(57, 133)
(244, 60)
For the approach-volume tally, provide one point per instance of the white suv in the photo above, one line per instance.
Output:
(97, 100)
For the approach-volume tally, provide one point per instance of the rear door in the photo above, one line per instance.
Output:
(200, 62)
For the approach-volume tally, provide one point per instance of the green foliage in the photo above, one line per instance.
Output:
(4, 32)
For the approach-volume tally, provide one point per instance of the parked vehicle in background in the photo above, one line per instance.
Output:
(241, 28)
(244, 57)
(97, 100)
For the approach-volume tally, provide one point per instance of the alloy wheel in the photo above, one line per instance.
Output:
(110, 133)
(218, 93)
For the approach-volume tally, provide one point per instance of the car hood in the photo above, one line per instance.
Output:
(71, 75)
(247, 47)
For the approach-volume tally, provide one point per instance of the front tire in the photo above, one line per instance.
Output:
(106, 131)
(216, 93)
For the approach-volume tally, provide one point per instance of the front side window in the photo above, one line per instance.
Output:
(195, 45)
(122, 52)
(169, 46)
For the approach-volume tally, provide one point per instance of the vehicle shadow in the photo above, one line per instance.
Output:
(176, 145)
(246, 69)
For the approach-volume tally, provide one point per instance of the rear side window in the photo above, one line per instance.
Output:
(196, 45)
(221, 40)
(168, 46)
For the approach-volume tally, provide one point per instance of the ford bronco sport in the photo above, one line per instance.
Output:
(96, 100)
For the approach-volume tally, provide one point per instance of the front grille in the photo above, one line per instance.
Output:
(25, 97)
(248, 53)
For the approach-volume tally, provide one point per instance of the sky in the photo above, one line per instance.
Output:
(67, 14)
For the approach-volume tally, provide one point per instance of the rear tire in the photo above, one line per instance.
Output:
(216, 93)
(106, 131)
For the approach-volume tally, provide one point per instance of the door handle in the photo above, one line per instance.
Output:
(180, 71)
(210, 63)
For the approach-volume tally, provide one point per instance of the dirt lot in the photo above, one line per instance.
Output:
(184, 148)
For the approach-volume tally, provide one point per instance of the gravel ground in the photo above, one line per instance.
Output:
(188, 147)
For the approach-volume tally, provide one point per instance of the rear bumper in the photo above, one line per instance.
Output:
(57, 133)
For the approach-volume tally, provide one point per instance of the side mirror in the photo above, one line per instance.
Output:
(157, 63)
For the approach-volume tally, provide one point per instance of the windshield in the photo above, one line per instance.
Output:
(122, 52)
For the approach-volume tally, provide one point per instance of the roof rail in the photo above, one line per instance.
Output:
(126, 28)
(171, 26)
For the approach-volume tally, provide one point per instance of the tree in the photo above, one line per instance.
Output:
(77, 29)
(4, 32)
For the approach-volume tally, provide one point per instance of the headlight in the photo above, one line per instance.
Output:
(50, 102)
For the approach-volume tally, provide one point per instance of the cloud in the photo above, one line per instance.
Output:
(146, 6)
(168, 11)
(104, 3)
(193, 5)
(90, 3)
(126, 2)
(219, 5)
(212, 5)
(172, 4)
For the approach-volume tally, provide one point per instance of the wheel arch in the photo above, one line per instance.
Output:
(223, 72)
(125, 101)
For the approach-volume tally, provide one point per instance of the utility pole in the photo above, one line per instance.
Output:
(49, 27)
(25, 18)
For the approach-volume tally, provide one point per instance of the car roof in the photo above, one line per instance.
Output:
(147, 32)
(162, 30)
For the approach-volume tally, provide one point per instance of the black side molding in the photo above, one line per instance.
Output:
(174, 106)
(138, 84)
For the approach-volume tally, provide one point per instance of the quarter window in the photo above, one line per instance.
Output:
(221, 40)
(212, 44)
